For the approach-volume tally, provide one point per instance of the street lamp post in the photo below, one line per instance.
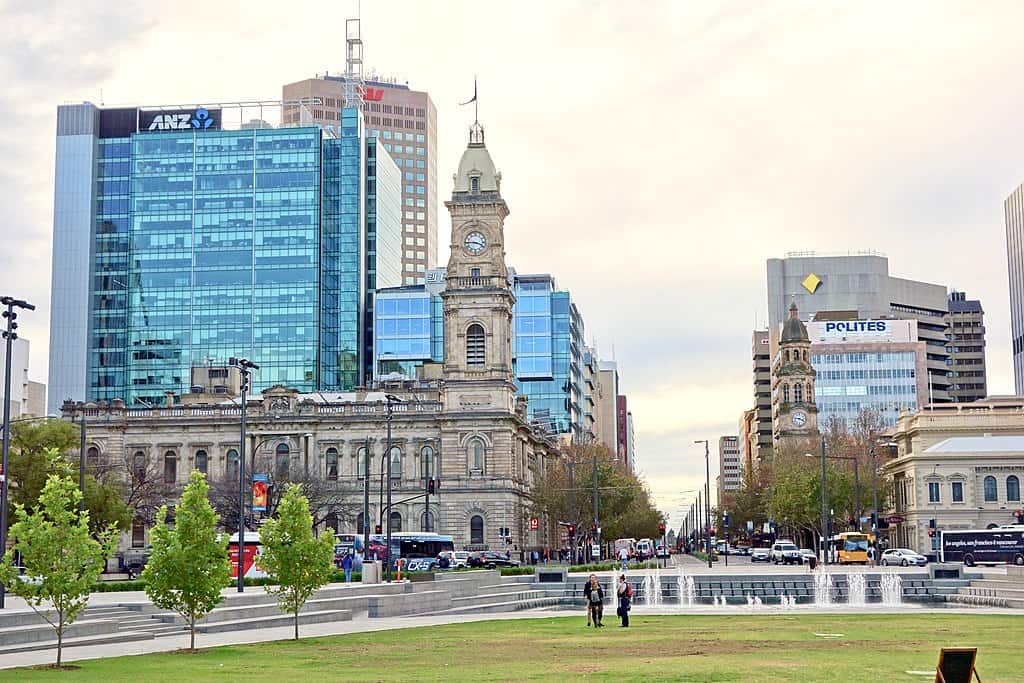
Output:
(391, 400)
(9, 335)
(245, 367)
(824, 507)
(707, 495)
(874, 493)
(81, 454)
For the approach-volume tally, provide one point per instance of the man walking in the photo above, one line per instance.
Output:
(624, 557)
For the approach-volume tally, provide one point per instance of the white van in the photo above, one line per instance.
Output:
(644, 549)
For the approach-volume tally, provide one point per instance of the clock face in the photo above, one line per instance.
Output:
(799, 418)
(475, 242)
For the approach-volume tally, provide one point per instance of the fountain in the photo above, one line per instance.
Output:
(892, 589)
(787, 601)
(686, 589)
(757, 601)
(858, 590)
(648, 589)
(750, 600)
(719, 600)
(822, 589)
(656, 595)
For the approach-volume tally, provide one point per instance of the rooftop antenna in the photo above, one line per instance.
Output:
(476, 131)
(354, 84)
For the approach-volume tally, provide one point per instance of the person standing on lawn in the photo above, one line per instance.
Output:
(625, 595)
(594, 596)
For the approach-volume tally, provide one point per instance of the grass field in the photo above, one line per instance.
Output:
(745, 648)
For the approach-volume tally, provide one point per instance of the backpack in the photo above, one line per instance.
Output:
(629, 591)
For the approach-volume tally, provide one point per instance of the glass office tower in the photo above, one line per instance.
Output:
(210, 243)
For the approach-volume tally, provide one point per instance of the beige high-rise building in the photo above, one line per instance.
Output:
(761, 433)
(607, 405)
(406, 121)
(966, 322)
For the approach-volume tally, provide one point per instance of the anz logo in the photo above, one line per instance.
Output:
(200, 119)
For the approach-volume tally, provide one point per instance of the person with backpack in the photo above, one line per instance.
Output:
(625, 593)
(594, 596)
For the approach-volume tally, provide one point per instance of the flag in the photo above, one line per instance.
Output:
(471, 101)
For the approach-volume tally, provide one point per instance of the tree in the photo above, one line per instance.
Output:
(60, 553)
(189, 566)
(301, 562)
(42, 448)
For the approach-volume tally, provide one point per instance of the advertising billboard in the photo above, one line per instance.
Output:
(862, 331)
(260, 486)
(200, 118)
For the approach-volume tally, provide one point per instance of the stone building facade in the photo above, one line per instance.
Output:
(468, 432)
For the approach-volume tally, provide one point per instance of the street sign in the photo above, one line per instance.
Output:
(895, 519)
(534, 523)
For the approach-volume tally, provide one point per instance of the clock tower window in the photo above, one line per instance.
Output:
(798, 393)
(785, 393)
(475, 351)
(474, 184)
(474, 272)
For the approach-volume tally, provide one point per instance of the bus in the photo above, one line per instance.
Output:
(407, 545)
(349, 543)
(1001, 545)
(852, 547)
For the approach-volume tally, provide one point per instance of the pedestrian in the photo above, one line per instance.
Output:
(871, 556)
(346, 564)
(625, 595)
(812, 563)
(594, 596)
(624, 557)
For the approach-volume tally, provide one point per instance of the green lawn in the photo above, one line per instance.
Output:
(680, 648)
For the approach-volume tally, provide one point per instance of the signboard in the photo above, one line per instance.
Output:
(260, 484)
(252, 551)
(854, 331)
(200, 118)
(893, 519)
(534, 523)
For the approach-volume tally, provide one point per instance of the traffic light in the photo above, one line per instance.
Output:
(376, 529)
(430, 486)
(572, 530)
(931, 533)
(661, 529)
(725, 520)
(1019, 514)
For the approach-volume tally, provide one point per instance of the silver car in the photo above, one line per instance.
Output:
(903, 557)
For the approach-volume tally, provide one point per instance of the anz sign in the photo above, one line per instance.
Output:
(198, 119)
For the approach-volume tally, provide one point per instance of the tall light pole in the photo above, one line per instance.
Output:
(10, 335)
(824, 506)
(707, 494)
(391, 400)
(245, 367)
(80, 406)
(874, 492)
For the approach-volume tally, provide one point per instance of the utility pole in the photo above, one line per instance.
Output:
(9, 335)
(244, 368)
(81, 456)
(824, 506)
(597, 528)
(707, 494)
(391, 400)
(366, 496)
(874, 487)
(572, 514)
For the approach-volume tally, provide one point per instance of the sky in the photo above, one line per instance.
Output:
(654, 154)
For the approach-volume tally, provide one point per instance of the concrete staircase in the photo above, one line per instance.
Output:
(993, 590)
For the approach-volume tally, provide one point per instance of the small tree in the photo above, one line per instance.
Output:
(301, 562)
(61, 556)
(189, 566)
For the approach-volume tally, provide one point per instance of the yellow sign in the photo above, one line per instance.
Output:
(811, 283)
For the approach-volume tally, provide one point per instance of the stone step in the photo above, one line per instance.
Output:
(499, 607)
(993, 592)
(82, 641)
(275, 621)
(32, 633)
(496, 598)
(985, 601)
(267, 608)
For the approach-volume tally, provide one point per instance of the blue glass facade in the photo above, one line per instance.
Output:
(220, 243)
(848, 382)
(409, 330)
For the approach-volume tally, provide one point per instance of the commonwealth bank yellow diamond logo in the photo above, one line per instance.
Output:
(811, 283)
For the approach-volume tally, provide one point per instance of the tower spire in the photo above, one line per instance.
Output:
(476, 131)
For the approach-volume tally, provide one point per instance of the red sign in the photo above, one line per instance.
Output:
(250, 559)
(895, 519)
(534, 523)
(373, 94)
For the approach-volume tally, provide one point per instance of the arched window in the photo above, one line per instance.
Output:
(475, 455)
(396, 522)
(805, 356)
(785, 393)
(396, 462)
(476, 529)
(92, 456)
(427, 521)
(991, 495)
(281, 461)
(202, 461)
(810, 392)
(139, 466)
(232, 464)
(170, 467)
(359, 523)
(361, 461)
(331, 459)
(475, 353)
(1012, 488)
(427, 462)
(798, 393)
(331, 522)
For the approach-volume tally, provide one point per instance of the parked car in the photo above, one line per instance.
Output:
(806, 555)
(660, 550)
(785, 552)
(492, 559)
(760, 554)
(457, 559)
(903, 557)
(644, 549)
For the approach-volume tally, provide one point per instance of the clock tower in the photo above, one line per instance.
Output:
(794, 411)
(477, 297)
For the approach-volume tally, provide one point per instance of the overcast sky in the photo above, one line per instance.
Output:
(652, 158)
